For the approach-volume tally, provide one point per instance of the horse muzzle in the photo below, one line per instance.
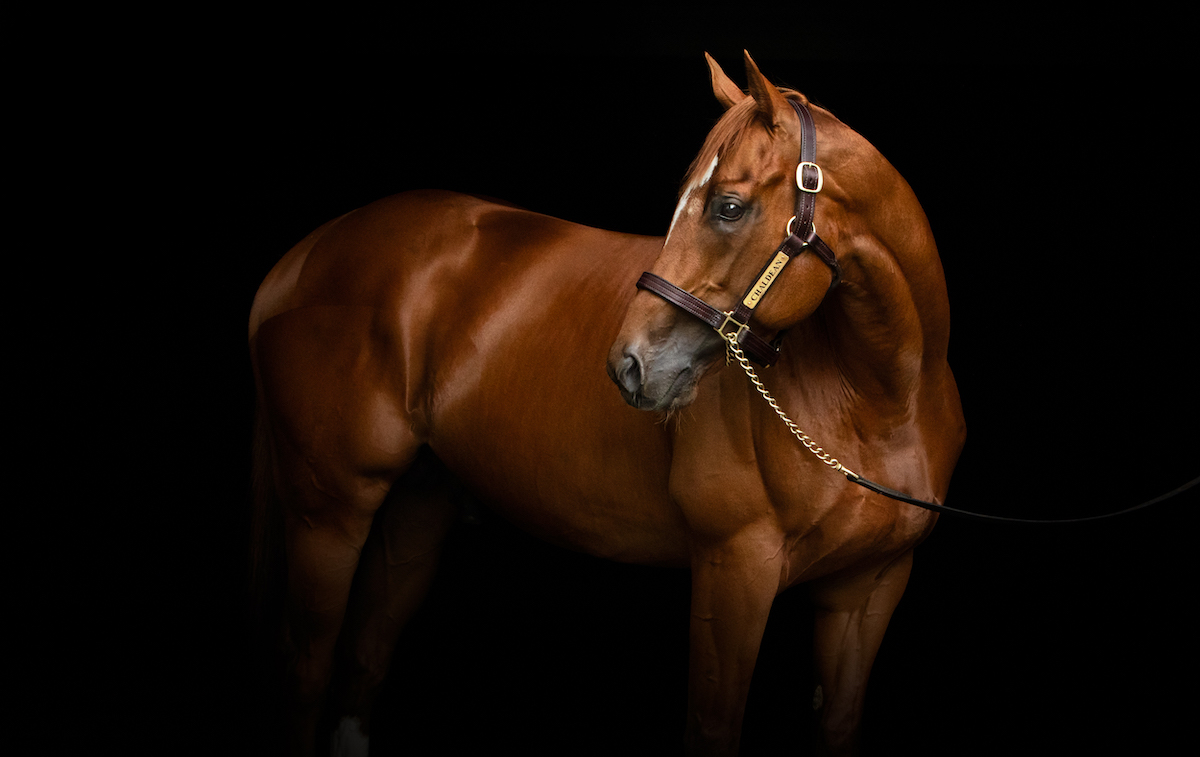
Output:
(662, 376)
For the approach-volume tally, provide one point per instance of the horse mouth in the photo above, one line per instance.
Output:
(680, 393)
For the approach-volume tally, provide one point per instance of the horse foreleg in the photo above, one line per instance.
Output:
(733, 586)
(852, 614)
(396, 569)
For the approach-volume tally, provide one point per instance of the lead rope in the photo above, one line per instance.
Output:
(733, 350)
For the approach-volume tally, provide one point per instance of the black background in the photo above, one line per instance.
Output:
(1054, 165)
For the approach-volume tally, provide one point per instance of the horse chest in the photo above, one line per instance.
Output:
(734, 472)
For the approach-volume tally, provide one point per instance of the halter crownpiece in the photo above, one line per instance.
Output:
(801, 236)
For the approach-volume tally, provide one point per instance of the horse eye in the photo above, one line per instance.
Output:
(729, 211)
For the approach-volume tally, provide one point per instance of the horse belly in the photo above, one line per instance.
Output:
(589, 488)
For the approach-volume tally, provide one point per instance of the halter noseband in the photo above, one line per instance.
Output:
(802, 235)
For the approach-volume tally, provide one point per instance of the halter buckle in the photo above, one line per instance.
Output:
(800, 176)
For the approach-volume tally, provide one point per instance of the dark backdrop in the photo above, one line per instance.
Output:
(1051, 165)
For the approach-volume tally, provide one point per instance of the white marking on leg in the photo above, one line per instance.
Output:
(349, 740)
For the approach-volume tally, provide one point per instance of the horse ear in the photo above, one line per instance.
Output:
(727, 93)
(771, 104)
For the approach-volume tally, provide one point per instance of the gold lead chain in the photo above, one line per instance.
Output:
(732, 349)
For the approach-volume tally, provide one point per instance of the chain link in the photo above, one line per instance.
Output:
(732, 349)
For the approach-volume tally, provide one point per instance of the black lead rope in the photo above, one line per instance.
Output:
(901, 496)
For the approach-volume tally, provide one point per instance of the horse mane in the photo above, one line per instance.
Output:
(727, 135)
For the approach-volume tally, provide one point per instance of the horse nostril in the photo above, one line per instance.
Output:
(629, 375)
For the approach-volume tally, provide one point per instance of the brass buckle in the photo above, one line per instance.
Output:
(800, 177)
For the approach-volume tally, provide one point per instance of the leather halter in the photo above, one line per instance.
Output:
(802, 235)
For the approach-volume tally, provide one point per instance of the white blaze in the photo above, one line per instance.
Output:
(685, 201)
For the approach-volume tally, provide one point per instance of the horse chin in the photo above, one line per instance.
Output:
(684, 398)
(668, 402)
(677, 397)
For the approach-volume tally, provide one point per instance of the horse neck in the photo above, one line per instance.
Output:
(888, 317)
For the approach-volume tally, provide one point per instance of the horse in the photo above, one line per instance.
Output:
(432, 343)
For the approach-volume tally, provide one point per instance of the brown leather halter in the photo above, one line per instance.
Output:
(802, 235)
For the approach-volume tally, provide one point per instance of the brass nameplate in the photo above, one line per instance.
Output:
(766, 280)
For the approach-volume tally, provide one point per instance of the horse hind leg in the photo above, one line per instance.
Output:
(323, 536)
(852, 614)
(328, 507)
(395, 571)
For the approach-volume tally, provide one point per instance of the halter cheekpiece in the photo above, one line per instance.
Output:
(801, 236)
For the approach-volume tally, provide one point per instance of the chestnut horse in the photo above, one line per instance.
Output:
(432, 340)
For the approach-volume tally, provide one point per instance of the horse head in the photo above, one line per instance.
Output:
(737, 204)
